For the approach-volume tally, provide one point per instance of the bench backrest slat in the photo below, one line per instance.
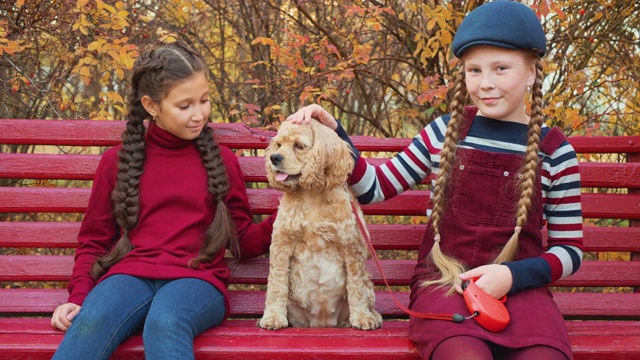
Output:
(384, 236)
(237, 135)
(58, 268)
(82, 167)
(250, 303)
(265, 201)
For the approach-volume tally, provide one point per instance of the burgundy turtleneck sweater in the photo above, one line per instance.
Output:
(175, 211)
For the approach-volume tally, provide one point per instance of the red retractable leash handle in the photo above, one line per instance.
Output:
(488, 311)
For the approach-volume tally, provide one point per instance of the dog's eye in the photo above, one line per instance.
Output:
(299, 146)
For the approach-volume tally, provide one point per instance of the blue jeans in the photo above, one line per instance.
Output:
(171, 313)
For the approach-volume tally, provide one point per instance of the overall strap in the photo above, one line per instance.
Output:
(468, 115)
(552, 141)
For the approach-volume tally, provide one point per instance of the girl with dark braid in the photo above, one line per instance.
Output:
(501, 174)
(165, 206)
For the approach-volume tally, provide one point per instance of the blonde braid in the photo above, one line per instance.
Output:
(529, 169)
(449, 267)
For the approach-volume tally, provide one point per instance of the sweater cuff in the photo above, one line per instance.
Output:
(77, 299)
(342, 133)
(529, 273)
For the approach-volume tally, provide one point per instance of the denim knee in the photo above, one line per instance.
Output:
(168, 322)
(91, 321)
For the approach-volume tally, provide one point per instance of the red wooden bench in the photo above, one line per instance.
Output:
(603, 315)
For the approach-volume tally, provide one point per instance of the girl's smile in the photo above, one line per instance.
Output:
(490, 100)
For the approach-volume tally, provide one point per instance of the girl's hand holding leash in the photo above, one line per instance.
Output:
(496, 280)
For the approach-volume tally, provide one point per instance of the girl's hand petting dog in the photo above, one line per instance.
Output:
(315, 111)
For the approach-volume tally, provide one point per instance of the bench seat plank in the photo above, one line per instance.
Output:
(393, 328)
(213, 346)
(280, 347)
(620, 339)
(258, 346)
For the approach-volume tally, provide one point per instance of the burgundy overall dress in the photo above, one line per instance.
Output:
(478, 221)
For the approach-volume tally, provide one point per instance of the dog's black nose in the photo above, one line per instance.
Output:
(276, 159)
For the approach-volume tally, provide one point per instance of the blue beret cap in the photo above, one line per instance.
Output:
(506, 24)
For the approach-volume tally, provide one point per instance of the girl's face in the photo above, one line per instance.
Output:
(185, 109)
(497, 81)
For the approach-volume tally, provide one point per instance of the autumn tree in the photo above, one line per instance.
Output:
(383, 67)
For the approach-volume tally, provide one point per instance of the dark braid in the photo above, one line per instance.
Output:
(125, 196)
(222, 230)
(154, 74)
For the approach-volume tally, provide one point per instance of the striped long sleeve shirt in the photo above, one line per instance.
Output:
(560, 189)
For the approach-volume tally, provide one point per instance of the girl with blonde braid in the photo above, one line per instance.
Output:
(164, 207)
(501, 175)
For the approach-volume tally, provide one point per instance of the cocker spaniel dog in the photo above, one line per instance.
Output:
(317, 274)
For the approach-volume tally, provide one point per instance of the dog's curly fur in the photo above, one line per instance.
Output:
(317, 274)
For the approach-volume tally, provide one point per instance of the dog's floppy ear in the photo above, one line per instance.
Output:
(339, 160)
(330, 160)
(313, 176)
(267, 162)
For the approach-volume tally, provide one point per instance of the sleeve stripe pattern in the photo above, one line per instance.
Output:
(396, 175)
(563, 210)
(567, 261)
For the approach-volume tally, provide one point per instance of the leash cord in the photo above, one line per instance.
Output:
(374, 255)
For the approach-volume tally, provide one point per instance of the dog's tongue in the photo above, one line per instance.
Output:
(282, 176)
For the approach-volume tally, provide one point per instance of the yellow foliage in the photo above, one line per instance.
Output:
(387, 69)
(9, 46)
(263, 41)
(362, 53)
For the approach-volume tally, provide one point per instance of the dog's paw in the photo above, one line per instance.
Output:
(366, 321)
(273, 322)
